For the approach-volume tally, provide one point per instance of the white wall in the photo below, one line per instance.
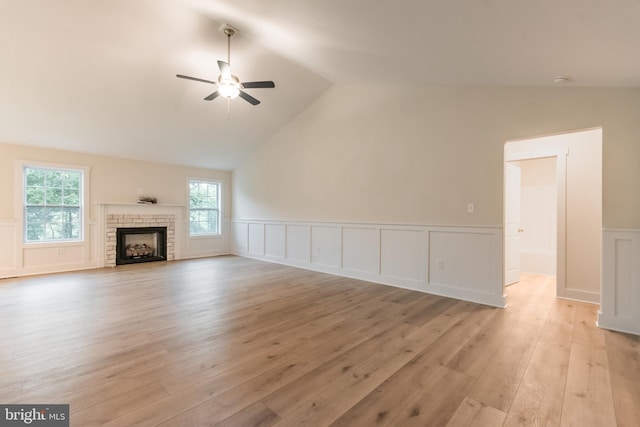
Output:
(112, 180)
(539, 211)
(417, 155)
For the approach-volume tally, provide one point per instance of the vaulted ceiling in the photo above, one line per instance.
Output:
(99, 76)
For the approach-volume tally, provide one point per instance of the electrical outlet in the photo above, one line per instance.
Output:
(440, 264)
(471, 207)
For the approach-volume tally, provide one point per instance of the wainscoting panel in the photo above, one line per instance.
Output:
(463, 262)
(274, 240)
(403, 253)
(256, 238)
(36, 257)
(459, 262)
(298, 243)
(620, 293)
(325, 244)
(361, 249)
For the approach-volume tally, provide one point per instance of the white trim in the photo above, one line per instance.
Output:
(36, 257)
(220, 184)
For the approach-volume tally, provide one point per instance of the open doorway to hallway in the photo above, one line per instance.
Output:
(553, 211)
(531, 214)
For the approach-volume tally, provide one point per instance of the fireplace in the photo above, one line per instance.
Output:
(141, 244)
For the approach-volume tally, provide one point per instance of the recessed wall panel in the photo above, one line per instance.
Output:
(403, 254)
(274, 240)
(360, 249)
(623, 277)
(256, 239)
(325, 245)
(298, 242)
(462, 260)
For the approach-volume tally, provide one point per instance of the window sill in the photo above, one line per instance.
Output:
(54, 244)
(205, 236)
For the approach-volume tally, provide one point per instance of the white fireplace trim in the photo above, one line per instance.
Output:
(112, 215)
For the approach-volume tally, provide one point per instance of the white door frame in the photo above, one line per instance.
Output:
(560, 153)
(512, 222)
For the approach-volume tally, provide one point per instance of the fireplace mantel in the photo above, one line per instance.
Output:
(137, 215)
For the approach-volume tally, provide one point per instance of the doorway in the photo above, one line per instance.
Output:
(567, 169)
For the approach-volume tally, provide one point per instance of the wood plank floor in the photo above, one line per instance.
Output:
(230, 341)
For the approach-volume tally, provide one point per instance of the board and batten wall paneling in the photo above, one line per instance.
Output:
(396, 255)
(620, 293)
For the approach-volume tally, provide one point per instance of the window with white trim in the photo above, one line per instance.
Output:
(53, 204)
(204, 207)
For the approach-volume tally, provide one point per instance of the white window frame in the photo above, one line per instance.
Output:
(220, 186)
(20, 201)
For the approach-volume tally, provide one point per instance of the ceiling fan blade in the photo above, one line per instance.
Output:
(225, 69)
(252, 85)
(214, 95)
(250, 99)
(195, 78)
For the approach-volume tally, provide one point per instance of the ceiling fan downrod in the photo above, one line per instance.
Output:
(229, 32)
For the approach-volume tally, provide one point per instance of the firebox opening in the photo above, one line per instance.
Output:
(141, 244)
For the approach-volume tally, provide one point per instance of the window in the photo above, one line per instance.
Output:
(204, 207)
(52, 204)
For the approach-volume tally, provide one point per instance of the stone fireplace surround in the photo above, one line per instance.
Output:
(133, 215)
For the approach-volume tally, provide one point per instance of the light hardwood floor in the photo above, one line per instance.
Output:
(236, 342)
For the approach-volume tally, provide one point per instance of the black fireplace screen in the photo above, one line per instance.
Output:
(141, 244)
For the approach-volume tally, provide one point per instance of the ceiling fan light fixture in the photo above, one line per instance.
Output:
(228, 90)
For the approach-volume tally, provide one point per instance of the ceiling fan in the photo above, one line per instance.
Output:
(229, 86)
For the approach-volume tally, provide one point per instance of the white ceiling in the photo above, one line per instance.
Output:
(99, 76)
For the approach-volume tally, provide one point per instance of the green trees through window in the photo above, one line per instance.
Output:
(204, 207)
(53, 204)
